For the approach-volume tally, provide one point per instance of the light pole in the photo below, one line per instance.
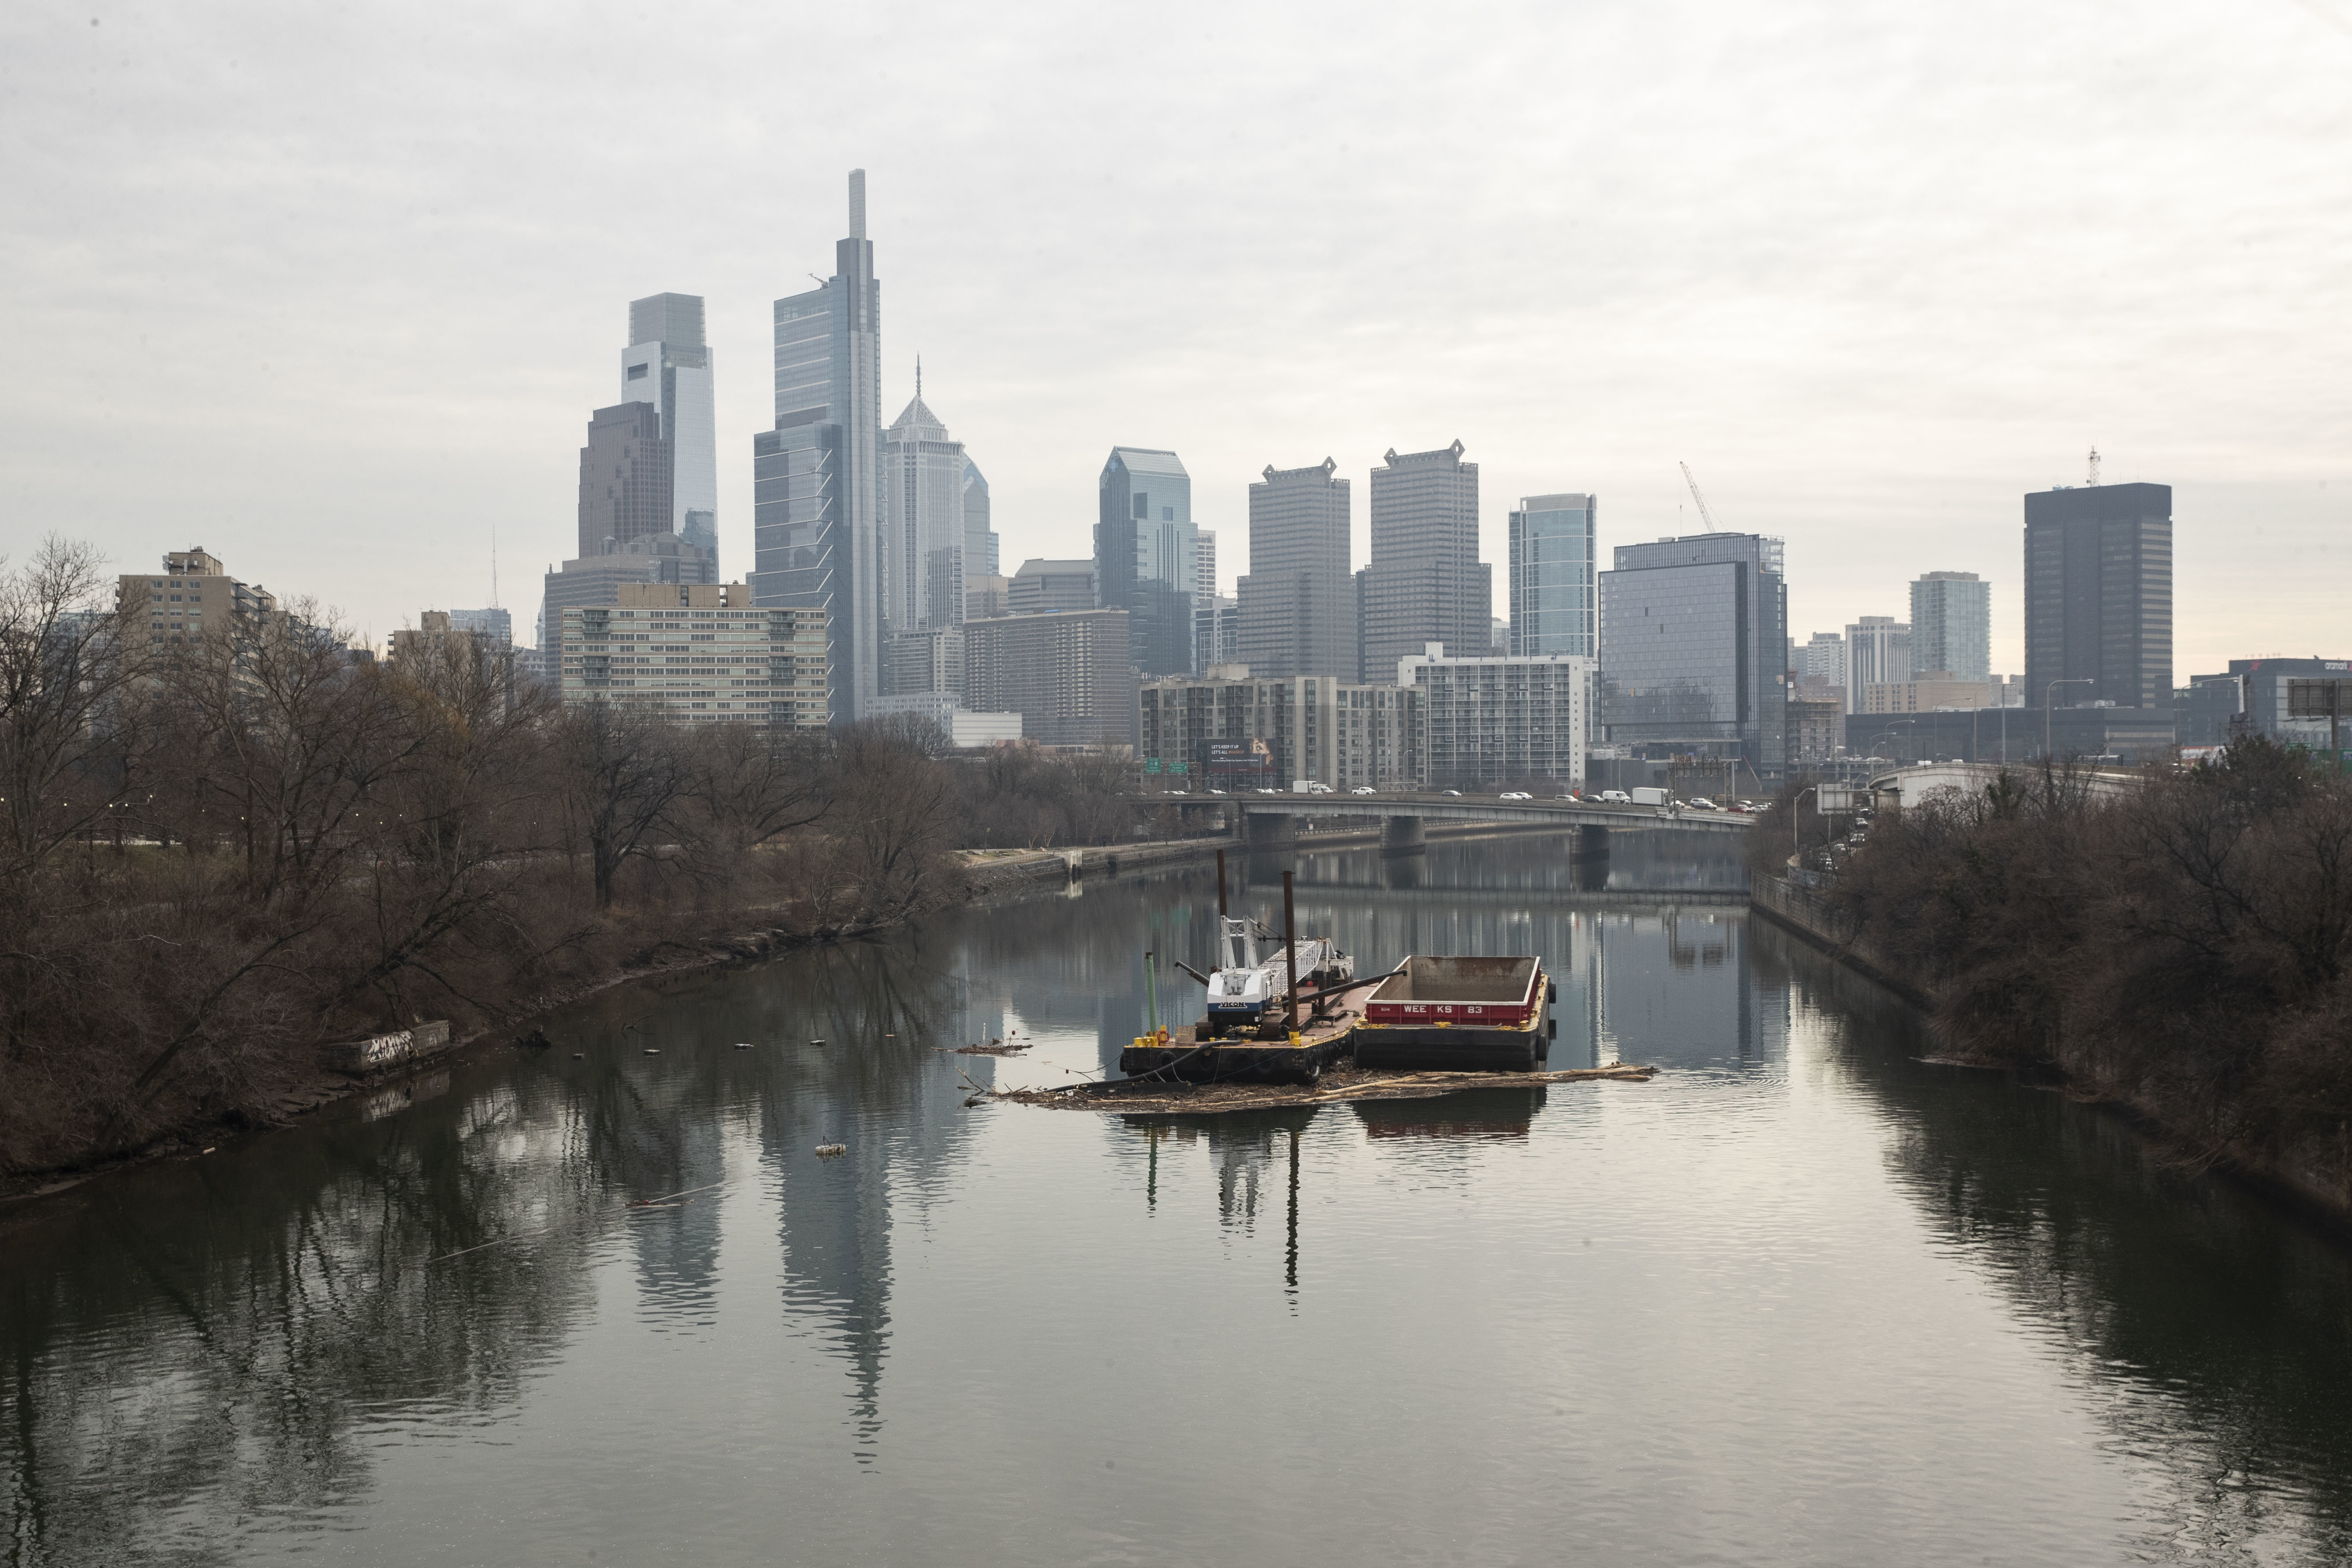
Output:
(1796, 849)
(2069, 681)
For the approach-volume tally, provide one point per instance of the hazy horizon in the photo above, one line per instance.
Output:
(333, 293)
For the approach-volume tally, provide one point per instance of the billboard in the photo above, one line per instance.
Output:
(1246, 761)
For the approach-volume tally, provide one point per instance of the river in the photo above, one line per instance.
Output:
(1801, 1299)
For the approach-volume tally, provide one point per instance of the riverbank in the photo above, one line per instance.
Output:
(2180, 952)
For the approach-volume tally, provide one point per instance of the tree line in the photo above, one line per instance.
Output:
(2183, 945)
(219, 854)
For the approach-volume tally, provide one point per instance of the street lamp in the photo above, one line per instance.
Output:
(1796, 849)
(2069, 681)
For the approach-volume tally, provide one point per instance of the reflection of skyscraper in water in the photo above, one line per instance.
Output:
(1680, 985)
(879, 1087)
(655, 1139)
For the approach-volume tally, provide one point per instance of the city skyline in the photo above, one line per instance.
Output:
(1867, 303)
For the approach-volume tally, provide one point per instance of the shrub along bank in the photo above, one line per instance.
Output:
(2180, 948)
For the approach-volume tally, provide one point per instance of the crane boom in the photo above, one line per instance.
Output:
(1708, 517)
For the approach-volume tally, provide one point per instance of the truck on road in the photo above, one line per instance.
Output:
(1646, 797)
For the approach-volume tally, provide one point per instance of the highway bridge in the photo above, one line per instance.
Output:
(1405, 816)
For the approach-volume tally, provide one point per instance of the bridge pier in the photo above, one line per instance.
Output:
(1592, 843)
(1269, 832)
(1403, 836)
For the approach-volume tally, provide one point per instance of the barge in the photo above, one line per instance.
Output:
(1459, 1014)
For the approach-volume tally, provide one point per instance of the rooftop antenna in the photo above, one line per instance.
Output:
(2094, 466)
(919, 376)
(494, 565)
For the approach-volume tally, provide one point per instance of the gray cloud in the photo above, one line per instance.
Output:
(331, 290)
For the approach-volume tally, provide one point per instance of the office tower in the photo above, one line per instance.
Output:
(1822, 661)
(1066, 673)
(1297, 601)
(928, 663)
(1501, 720)
(924, 533)
(816, 476)
(987, 596)
(1147, 556)
(1425, 582)
(668, 364)
(1951, 625)
(1554, 576)
(1877, 653)
(497, 625)
(1204, 562)
(625, 478)
(747, 665)
(2098, 596)
(1217, 633)
(979, 540)
(1049, 587)
(1694, 635)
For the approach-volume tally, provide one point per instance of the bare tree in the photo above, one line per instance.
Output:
(622, 773)
(65, 763)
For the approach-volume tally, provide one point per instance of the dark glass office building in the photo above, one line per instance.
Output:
(2098, 596)
(1554, 559)
(1147, 555)
(1694, 649)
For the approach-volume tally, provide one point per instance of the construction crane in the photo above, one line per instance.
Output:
(1708, 517)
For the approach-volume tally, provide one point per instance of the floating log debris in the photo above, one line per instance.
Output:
(1131, 1096)
(831, 1151)
(997, 1047)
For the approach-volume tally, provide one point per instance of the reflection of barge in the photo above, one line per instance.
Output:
(1458, 1014)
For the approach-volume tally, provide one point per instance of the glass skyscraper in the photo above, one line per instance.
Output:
(668, 364)
(1146, 555)
(2098, 596)
(1554, 572)
(1951, 624)
(816, 476)
(1694, 645)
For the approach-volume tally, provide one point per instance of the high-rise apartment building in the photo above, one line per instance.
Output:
(1216, 634)
(1297, 601)
(1877, 653)
(924, 531)
(192, 594)
(668, 364)
(1488, 721)
(1555, 570)
(816, 476)
(1147, 554)
(492, 625)
(1067, 675)
(625, 478)
(1205, 563)
(979, 540)
(1823, 662)
(1424, 583)
(696, 653)
(1951, 625)
(2098, 596)
(1694, 644)
(1306, 726)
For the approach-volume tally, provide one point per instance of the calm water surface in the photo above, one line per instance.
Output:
(1801, 1299)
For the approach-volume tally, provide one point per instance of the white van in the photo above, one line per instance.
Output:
(1615, 798)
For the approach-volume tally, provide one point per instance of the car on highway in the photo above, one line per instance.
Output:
(1615, 798)
(1216, 791)
(1363, 789)
(1449, 791)
(1701, 803)
(1515, 795)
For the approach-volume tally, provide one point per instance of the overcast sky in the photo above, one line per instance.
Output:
(332, 290)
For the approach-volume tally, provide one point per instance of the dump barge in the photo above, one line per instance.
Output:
(1452, 1015)
(1199, 1054)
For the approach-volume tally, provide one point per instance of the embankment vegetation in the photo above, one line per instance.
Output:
(218, 859)
(2179, 946)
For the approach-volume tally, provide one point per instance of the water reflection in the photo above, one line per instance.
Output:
(215, 1360)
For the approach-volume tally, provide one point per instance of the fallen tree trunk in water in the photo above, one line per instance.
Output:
(1131, 1094)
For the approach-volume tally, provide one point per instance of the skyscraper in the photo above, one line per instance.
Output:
(1425, 583)
(816, 476)
(1146, 559)
(924, 533)
(1297, 603)
(1554, 572)
(1951, 624)
(668, 364)
(1694, 641)
(978, 533)
(624, 478)
(1877, 653)
(2098, 596)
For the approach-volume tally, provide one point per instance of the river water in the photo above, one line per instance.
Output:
(1799, 1299)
